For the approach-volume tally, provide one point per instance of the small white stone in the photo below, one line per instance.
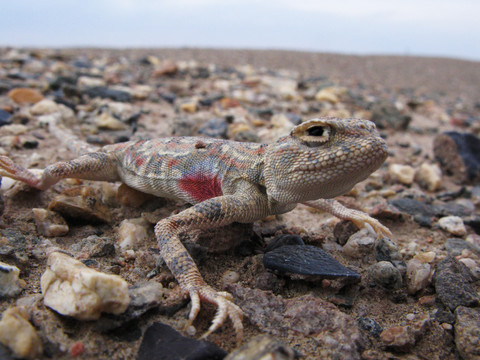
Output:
(453, 225)
(71, 288)
(142, 91)
(9, 280)
(49, 223)
(402, 173)
(429, 176)
(418, 275)
(44, 107)
(86, 81)
(359, 244)
(230, 277)
(132, 233)
(19, 335)
(410, 317)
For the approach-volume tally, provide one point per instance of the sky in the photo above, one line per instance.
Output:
(445, 28)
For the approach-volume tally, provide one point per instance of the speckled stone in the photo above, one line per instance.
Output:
(467, 332)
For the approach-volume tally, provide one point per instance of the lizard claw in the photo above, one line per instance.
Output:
(226, 308)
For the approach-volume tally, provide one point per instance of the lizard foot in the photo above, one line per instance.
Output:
(226, 308)
(13, 171)
(363, 220)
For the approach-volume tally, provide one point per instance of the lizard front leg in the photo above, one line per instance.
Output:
(91, 166)
(213, 212)
(359, 218)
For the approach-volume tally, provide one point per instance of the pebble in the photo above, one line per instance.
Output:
(230, 277)
(403, 338)
(458, 156)
(429, 176)
(385, 274)
(360, 244)
(5, 117)
(87, 81)
(330, 94)
(49, 223)
(306, 260)
(190, 106)
(418, 275)
(404, 174)
(467, 332)
(108, 93)
(10, 283)
(386, 115)
(161, 342)
(472, 266)
(343, 230)
(144, 296)
(263, 347)
(132, 233)
(19, 335)
(335, 334)
(83, 203)
(44, 107)
(370, 325)
(453, 225)
(452, 284)
(71, 288)
(165, 68)
(282, 240)
(455, 246)
(108, 122)
(214, 128)
(24, 96)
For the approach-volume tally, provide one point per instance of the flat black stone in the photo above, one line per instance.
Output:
(162, 342)
(306, 260)
(105, 92)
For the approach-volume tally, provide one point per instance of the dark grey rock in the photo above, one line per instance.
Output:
(369, 325)
(385, 274)
(386, 116)
(467, 332)
(162, 342)
(5, 117)
(294, 118)
(343, 230)
(452, 284)
(455, 246)
(459, 156)
(334, 333)
(306, 260)
(105, 92)
(143, 297)
(282, 240)
(263, 347)
(386, 250)
(413, 207)
(215, 128)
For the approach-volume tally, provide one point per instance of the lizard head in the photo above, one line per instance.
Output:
(322, 158)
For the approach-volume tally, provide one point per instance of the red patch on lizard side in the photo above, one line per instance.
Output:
(201, 186)
(139, 161)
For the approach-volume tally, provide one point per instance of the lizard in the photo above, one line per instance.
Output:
(227, 181)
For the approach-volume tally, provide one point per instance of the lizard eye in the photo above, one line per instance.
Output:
(313, 133)
(316, 131)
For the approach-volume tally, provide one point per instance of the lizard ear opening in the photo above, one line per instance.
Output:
(312, 133)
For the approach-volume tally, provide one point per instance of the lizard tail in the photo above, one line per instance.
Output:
(71, 141)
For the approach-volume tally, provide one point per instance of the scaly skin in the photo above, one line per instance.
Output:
(229, 182)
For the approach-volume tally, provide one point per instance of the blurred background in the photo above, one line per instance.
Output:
(439, 28)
